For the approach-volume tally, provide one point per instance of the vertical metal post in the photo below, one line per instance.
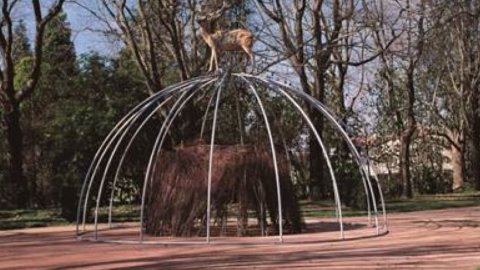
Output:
(158, 142)
(325, 154)
(130, 116)
(328, 115)
(210, 158)
(274, 159)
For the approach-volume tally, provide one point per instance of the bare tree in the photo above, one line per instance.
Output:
(12, 96)
(399, 70)
(162, 36)
(318, 38)
(415, 38)
(461, 63)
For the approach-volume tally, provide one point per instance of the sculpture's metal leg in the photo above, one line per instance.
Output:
(322, 109)
(210, 158)
(113, 147)
(327, 159)
(132, 115)
(274, 159)
(158, 143)
(125, 152)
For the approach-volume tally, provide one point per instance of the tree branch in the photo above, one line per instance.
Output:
(40, 22)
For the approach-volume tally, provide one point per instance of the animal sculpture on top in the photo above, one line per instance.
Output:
(223, 40)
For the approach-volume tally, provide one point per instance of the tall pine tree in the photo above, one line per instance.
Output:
(59, 71)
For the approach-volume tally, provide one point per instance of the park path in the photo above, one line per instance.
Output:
(437, 239)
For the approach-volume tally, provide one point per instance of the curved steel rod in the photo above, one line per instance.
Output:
(124, 154)
(210, 157)
(143, 104)
(172, 112)
(358, 158)
(133, 116)
(107, 167)
(205, 116)
(136, 118)
(94, 162)
(327, 159)
(274, 158)
(171, 121)
(339, 128)
(147, 176)
(325, 155)
(373, 170)
(100, 190)
(354, 151)
(128, 147)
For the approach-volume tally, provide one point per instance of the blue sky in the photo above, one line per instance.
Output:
(84, 39)
(80, 21)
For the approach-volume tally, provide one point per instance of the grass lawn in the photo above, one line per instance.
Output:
(419, 203)
(27, 218)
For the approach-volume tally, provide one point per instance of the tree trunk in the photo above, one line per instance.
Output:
(475, 137)
(318, 189)
(405, 141)
(406, 136)
(16, 179)
(457, 167)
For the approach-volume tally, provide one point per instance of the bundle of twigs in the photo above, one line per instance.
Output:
(242, 179)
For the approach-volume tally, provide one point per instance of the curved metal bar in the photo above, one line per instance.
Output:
(382, 201)
(325, 154)
(210, 157)
(143, 104)
(133, 116)
(94, 161)
(339, 128)
(171, 121)
(147, 174)
(92, 176)
(134, 121)
(355, 153)
(123, 157)
(158, 142)
(128, 147)
(274, 158)
(205, 116)
(107, 167)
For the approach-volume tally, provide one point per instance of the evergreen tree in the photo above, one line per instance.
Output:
(41, 112)
(59, 48)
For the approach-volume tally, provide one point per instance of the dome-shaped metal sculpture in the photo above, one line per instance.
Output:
(105, 170)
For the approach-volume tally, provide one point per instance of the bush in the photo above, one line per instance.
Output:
(431, 181)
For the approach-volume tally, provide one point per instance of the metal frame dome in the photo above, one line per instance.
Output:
(119, 141)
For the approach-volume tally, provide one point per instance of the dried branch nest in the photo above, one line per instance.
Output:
(243, 186)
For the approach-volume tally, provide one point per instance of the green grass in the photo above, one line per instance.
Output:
(414, 205)
(120, 213)
(326, 209)
(28, 218)
(419, 203)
